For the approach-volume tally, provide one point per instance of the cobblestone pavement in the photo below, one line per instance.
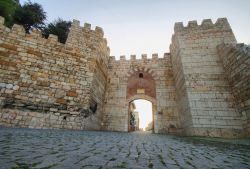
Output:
(45, 149)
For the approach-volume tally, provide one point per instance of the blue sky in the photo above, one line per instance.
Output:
(146, 26)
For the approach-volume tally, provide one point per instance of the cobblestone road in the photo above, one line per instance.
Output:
(45, 149)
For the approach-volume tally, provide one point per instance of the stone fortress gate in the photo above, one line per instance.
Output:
(200, 88)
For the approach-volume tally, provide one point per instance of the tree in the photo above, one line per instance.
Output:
(7, 10)
(30, 15)
(58, 27)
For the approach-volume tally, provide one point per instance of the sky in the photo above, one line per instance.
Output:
(146, 26)
(144, 108)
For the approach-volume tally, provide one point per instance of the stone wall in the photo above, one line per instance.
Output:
(46, 84)
(117, 96)
(94, 46)
(200, 88)
(236, 62)
(205, 101)
(181, 89)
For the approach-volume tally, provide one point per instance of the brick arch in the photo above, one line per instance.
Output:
(141, 69)
(142, 86)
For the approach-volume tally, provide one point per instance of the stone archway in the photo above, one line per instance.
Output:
(141, 85)
(143, 97)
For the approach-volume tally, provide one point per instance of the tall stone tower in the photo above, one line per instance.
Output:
(200, 88)
(205, 102)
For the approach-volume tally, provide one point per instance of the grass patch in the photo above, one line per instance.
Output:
(60, 149)
(35, 164)
(150, 165)
(189, 163)
(112, 159)
(161, 159)
(48, 167)
(54, 152)
(37, 157)
(95, 153)
(122, 165)
(21, 166)
(60, 155)
(81, 159)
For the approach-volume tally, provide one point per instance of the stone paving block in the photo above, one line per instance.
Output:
(84, 149)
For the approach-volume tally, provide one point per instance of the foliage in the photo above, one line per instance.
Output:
(7, 10)
(58, 27)
(30, 15)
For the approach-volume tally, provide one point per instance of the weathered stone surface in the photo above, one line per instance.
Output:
(205, 100)
(61, 101)
(72, 93)
(200, 88)
(41, 149)
(60, 93)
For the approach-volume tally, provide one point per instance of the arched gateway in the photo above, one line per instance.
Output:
(149, 79)
(196, 89)
(141, 85)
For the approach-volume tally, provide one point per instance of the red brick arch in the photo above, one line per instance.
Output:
(137, 84)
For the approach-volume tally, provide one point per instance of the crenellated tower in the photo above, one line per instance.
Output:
(205, 101)
(93, 45)
(91, 42)
(200, 88)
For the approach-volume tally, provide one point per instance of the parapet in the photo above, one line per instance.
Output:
(239, 48)
(144, 57)
(88, 41)
(132, 57)
(75, 23)
(19, 31)
(87, 38)
(155, 56)
(99, 31)
(205, 24)
(86, 28)
(123, 57)
(53, 38)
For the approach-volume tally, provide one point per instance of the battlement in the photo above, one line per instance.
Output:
(221, 23)
(89, 42)
(87, 38)
(87, 28)
(143, 57)
(239, 48)
(18, 30)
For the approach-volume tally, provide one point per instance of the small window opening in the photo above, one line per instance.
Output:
(64, 117)
(140, 75)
